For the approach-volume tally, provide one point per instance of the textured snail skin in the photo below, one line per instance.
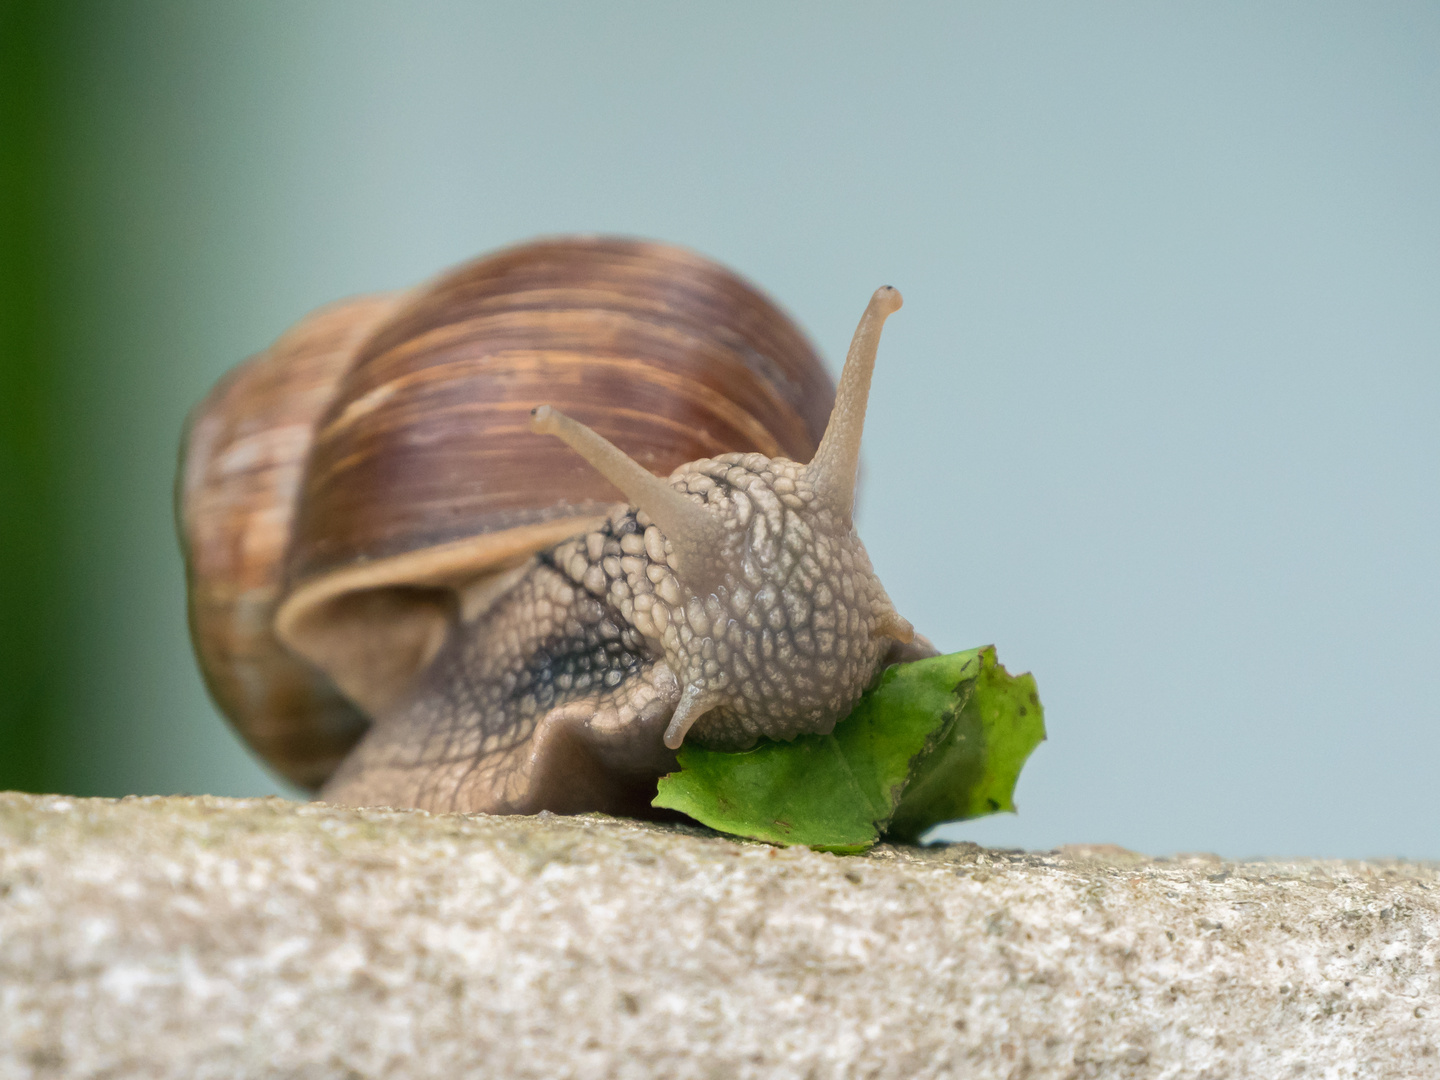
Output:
(592, 647)
(753, 612)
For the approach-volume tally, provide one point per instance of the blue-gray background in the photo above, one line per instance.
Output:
(1159, 417)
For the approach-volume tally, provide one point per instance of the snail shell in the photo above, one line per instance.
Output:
(350, 497)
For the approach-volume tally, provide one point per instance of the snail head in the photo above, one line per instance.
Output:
(762, 600)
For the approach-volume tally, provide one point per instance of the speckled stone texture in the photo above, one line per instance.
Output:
(217, 938)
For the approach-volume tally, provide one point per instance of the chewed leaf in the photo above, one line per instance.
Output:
(944, 736)
(973, 770)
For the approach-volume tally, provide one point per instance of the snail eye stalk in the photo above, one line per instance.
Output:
(833, 468)
(695, 534)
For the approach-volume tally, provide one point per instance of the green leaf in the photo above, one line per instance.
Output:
(935, 740)
(974, 767)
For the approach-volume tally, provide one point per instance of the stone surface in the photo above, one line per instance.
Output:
(218, 938)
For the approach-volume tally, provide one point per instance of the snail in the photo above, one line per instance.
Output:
(505, 542)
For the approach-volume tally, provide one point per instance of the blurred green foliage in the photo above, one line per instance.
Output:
(113, 322)
(32, 32)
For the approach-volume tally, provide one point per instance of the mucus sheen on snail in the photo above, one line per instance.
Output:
(729, 602)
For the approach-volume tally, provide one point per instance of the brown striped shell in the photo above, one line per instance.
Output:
(349, 494)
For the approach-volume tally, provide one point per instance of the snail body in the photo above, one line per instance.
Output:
(398, 615)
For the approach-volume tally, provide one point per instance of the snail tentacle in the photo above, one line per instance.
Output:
(694, 703)
(837, 461)
(694, 533)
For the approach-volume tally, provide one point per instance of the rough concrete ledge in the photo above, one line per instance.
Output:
(204, 938)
